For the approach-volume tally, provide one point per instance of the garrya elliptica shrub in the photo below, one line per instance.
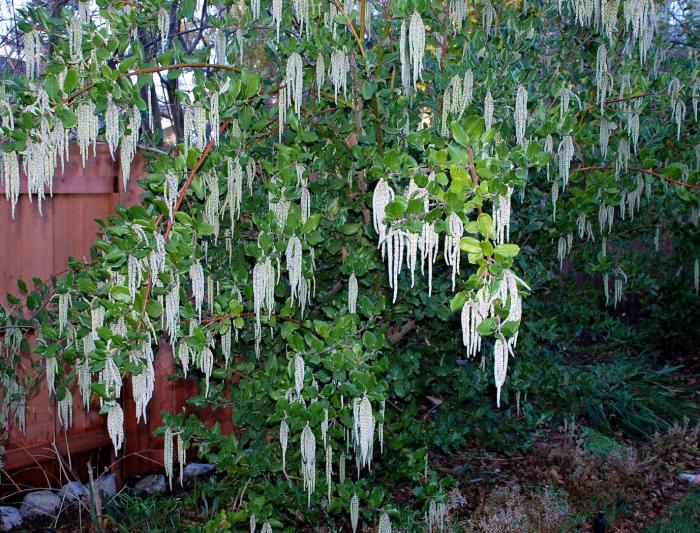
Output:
(354, 183)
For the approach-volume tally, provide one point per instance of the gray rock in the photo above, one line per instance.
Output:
(74, 491)
(40, 503)
(106, 486)
(196, 470)
(150, 485)
(10, 518)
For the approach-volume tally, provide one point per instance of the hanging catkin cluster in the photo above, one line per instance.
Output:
(475, 310)
(206, 365)
(281, 112)
(143, 383)
(416, 46)
(264, 281)
(75, 39)
(308, 460)
(129, 144)
(458, 14)
(352, 294)
(620, 280)
(220, 46)
(301, 11)
(168, 455)
(603, 79)
(384, 524)
(500, 365)
(354, 512)
(134, 275)
(488, 18)
(395, 244)
(565, 155)
(87, 129)
(65, 409)
(111, 378)
(299, 373)
(295, 82)
(172, 308)
(488, 111)
(10, 171)
(197, 280)
(280, 209)
(294, 264)
(199, 119)
(234, 189)
(284, 440)
(32, 53)
(214, 116)
(480, 307)
(382, 196)
(363, 425)
(115, 425)
(51, 367)
(64, 302)
(501, 217)
(112, 131)
(163, 28)
(405, 62)
(277, 15)
(320, 75)
(520, 115)
(338, 72)
(457, 97)
(453, 253)
(561, 251)
(329, 472)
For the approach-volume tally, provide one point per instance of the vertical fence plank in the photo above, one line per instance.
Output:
(9, 248)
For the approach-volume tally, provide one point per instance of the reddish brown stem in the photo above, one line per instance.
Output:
(180, 198)
(692, 186)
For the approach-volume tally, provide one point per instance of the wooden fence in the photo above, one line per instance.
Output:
(39, 246)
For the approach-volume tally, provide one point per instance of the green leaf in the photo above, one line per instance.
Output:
(368, 89)
(86, 285)
(457, 154)
(487, 327)
(507, 250)
(487, 248)
(154, 308)
(120, 293)
(485, 224)
(71, 81)
(205, 230)
(470, 245)
(235, 307)
(460, 178)
(509, 328)
(251, 82)
(459, 134)
(311, 224)
(475, 127)
(51, 86)
(397, 208)
(350, 229)
(67, 117)
(34, 301)
(458, 301)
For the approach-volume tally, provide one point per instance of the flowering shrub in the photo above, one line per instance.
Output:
(300, 237)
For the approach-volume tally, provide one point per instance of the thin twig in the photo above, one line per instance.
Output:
(692, 186)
